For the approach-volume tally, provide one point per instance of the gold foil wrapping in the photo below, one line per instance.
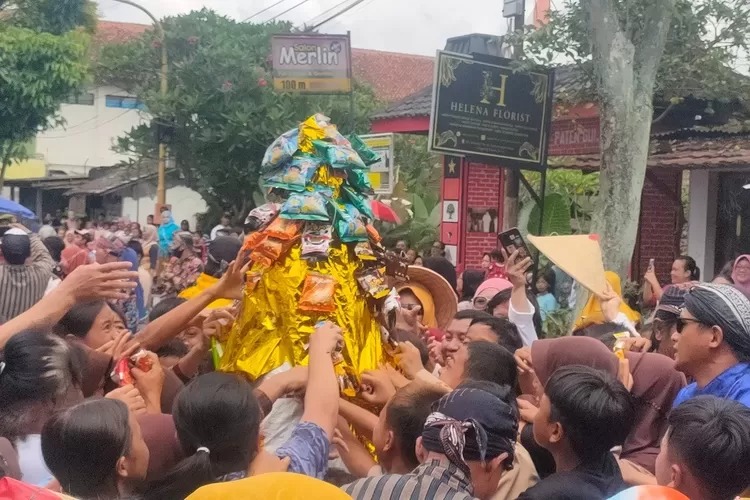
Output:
(271, 330)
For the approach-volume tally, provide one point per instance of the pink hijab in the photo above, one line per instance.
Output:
(495, 285)
(742, 285)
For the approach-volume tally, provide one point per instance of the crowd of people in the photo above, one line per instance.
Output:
(109, 387)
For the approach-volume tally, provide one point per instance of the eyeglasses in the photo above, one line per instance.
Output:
(682, 323)
(480, 302)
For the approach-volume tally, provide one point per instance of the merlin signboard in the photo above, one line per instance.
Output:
(312, 64)
(485, 110)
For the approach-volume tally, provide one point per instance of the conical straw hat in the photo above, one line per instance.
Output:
(579, 255)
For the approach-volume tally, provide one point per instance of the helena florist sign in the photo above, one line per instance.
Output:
(483, 109)
(313, 64)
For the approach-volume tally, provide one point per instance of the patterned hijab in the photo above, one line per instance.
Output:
(471, 425)
(726, 307)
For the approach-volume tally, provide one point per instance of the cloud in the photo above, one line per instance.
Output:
(410, 26)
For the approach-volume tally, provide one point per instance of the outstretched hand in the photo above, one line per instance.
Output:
(231, 284)
(91, 282)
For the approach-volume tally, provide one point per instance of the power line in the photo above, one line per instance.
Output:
(312, 20)
(339, 13)
(264, 10)
(287, 10)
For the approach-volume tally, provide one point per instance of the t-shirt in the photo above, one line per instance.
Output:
(733, 383)
(586, 482)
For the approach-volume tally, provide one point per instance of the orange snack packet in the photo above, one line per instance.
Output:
(318, 293)
(284, 229)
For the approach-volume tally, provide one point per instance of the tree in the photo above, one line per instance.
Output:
(37, 72)
(220, 102)
(631, 54)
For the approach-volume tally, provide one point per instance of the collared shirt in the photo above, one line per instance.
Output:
(22, 286)
(436, 479)
(733, 383)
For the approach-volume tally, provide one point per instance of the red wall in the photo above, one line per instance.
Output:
(484, 188)
(660, 225)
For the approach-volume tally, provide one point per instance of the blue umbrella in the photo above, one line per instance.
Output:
(11, 207)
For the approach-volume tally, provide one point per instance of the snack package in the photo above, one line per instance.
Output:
(217, 351)
(391, 305)
(141, 361)
(310, 205)
(281, 151)
(312, 129)
(295, 175)
(260, 217)
(395, 267)
(252, 279)
(339, 157)
(619, 347)
(364, 251)
(316, 239)
(373, 283)
(318, 293)
(360, 181)
(121, 373)
(271, 248)
(367, 155)
(261, 259)
(373, 234)
(283, 229)
(349, 224)
(359, 201)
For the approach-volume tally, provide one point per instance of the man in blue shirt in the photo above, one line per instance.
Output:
(712, 343)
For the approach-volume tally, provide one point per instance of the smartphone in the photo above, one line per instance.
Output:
(511, 240)
(650, 264)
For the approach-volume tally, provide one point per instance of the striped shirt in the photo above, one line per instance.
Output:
(22, 286)
(439, 480)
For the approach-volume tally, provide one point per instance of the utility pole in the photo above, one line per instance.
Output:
(516, 10)
(161, 190)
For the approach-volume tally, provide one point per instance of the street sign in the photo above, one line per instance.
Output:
(483, 109)
(383, 173)
(312, 64)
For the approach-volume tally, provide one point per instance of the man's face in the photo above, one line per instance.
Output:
(453, 372)
(692, 346)
(663, 465)
(546, 433)
(455, 336)
(225, 221)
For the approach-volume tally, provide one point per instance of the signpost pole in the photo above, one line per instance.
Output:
(352, 118)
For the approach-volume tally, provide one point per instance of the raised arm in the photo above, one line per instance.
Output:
(322, 396)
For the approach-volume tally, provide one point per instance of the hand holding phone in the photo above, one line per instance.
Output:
(511, 240)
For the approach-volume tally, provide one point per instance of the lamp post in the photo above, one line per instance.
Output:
(161, 191)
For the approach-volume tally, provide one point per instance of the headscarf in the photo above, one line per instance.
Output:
(592, 312)
(490, 422)
(726, 307)
(425, 298)
(149, 236)
(742, 285)
(443, 267)
(496, 284)
(286, 485)
(655, 385)
(472, 278)
(166, 232)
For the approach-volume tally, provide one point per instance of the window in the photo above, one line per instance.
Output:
(81, 98)
(123, 102)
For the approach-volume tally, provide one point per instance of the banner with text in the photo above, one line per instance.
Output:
(383, 173)
(485, 110)
(313, 64)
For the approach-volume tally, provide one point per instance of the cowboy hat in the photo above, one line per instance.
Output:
(446, 303)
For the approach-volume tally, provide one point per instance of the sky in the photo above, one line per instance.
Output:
(409, 26)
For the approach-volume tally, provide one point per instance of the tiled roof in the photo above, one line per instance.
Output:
(392, 75)
(691, 153)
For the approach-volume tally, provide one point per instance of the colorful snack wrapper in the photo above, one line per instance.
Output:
(295, 175)
(283, 229)
(261, 259)
(395, 267)
(373, 283)
(310, 205)
(252, 279)
(359, 201)
(260, 217)
(360, 181)
(340, 157)
(281, 151)
(141, 361)
(121, 373)
(368, 156)
(312, 129)
(316, 239)
(364, 251)
(271, 248)
(349, 224)
(318, 293)
(373, 234)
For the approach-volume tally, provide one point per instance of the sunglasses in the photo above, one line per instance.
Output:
(683, 322)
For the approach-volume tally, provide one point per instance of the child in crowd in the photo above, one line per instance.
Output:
(545, 286)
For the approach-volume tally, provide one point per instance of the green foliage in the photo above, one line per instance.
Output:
(221, 100)
(707, 40)
(577, 188)
(55, 16)
(556, 219)
(558, 323)
(37, 71)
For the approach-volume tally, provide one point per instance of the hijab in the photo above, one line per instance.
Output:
(425, 298)
(286, 485)
(149, 236)
(744, 286)
(592, 312)
(655, 385)
(166, 232)
(496, 284)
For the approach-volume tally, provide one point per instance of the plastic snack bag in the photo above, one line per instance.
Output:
(359, 201)
(373, 283)
(310, 205)
(364, 251)
(349, 224)
(283, 229)
(360, 181)
(295, 175)
(318, 293)
(281, 151)
(260, 217)
(339, 157)
(316, 239)
(368, 156)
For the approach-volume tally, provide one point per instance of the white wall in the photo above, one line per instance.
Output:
(86, 138)
(702, 220)
(185, 202)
